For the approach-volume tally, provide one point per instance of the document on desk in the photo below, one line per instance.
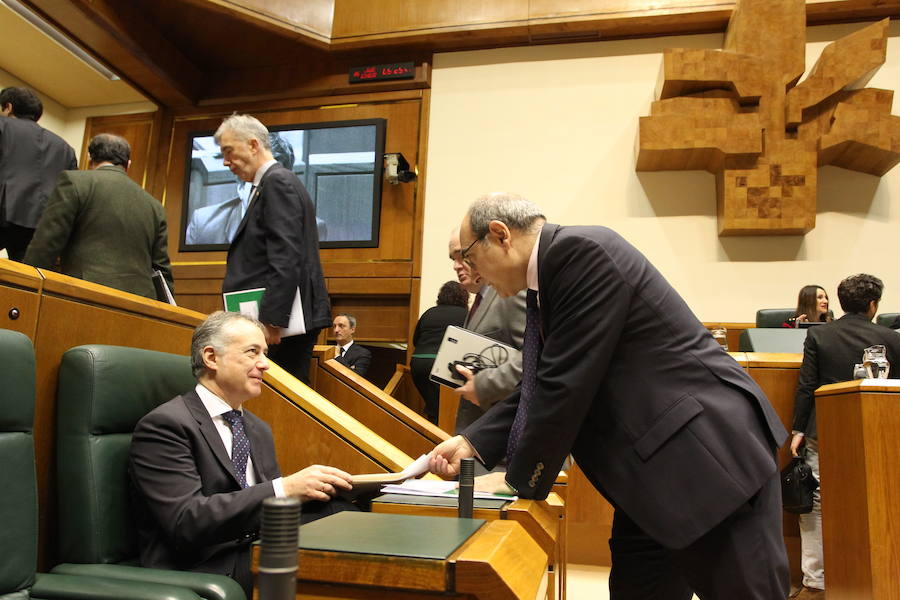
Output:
(437, 488)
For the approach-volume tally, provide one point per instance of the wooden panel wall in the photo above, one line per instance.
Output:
(142, 132)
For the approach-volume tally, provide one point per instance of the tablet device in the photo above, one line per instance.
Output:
(472, 350)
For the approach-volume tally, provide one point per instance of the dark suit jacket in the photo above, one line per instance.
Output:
(105, 229)
(357, 358)
(829, 353)
(192, 513)
(276, 247)
(31, 158)
(661, 420)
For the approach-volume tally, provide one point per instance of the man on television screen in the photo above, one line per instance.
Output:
(276, 245)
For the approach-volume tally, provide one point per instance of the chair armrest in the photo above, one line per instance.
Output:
(73, 587)
(206, 585)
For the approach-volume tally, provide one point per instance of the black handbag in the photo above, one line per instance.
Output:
(798, 485)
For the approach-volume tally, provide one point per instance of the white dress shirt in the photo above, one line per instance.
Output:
(216, 407)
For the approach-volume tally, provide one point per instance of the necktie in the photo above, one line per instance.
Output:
(343, 351)
(240, 445)
(475, 306)
(531, 350)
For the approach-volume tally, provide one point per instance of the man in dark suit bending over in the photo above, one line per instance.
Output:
(350, 353)
(662, 421)
(276, 245)
(201, 464)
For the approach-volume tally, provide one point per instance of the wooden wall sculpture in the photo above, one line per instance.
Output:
(740, 114)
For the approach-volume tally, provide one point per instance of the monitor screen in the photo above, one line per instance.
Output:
(339, 163)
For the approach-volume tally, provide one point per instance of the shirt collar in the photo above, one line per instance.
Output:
(262, 171)
(214, 405)
(347, 345)
(531, 276)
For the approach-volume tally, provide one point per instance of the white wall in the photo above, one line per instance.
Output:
(558, 124)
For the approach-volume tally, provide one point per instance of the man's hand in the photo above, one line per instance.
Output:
(796, 442)
(467, 390)
(316, 483)
(444, 459)
(493, 483)
(273, 335)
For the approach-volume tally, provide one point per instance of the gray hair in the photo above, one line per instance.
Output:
(244, 128)
(350, 319)
(513, 210)
(214, 332)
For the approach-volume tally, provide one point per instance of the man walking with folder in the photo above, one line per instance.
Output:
(276, 246)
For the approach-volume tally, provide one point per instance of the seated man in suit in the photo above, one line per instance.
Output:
(201, 464)
(829, 355)
(349, 353)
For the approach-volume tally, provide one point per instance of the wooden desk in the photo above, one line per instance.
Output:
(543, 520)
(859, 454)
(499, 561)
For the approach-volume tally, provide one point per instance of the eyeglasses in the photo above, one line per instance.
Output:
(464, 255)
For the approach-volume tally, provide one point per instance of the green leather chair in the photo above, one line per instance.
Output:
(18, 501)
(103, 392)
(887, 319)
(773, 317)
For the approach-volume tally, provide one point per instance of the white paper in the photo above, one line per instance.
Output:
(435, 487)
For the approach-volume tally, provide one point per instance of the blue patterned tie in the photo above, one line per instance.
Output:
(531, 350)
(240, 445)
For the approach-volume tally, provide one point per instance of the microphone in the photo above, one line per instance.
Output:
(466, 487)
(279, 538)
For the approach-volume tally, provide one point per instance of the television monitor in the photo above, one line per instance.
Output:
(339, 163)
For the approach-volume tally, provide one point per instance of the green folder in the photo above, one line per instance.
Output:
(389, 535)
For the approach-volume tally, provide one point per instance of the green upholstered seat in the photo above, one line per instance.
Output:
(18, 502)
(103, 392)
(773, 317)
(887, 319)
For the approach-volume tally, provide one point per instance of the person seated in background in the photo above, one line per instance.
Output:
(829, 355)
(201, 464)
(102, 226)
(349, 353)
(812, 306)
(451, 309)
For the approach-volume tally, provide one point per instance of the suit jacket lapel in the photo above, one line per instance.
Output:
(257, 442)
(252, 202)
(210, 433)
(484, 308)
(548, 233)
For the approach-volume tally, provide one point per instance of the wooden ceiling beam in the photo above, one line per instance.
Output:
(117, 35)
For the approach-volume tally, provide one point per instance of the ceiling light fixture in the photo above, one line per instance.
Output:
(54, 34)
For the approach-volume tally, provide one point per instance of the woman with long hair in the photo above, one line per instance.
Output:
(812, 305)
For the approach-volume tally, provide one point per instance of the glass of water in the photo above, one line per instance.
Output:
(720, 334)
(876, 363)
(859, 371)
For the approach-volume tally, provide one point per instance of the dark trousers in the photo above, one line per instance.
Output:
(742, 558)
(294, 353)
(430, 391)
(15, 239)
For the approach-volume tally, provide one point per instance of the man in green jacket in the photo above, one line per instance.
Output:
(102, 226)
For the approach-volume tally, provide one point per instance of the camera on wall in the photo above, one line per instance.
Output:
(396, 169)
